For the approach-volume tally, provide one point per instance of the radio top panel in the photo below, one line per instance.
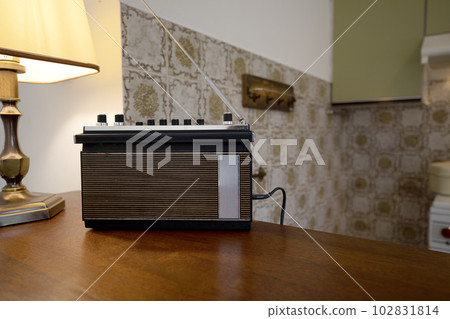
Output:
(160, 128)
(163, 125)
(187, 132)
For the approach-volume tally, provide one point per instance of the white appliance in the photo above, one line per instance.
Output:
(439, 226)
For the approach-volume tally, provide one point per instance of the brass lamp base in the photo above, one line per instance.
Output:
(22, 206)
(17, 204)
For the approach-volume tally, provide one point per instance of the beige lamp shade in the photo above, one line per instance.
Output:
(52, 38)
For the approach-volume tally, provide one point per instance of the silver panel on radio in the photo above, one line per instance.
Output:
(228, 186)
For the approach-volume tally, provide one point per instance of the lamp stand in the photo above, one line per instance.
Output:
(17, 204)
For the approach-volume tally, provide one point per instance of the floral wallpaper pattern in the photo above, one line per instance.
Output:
(316, 194)
(374, 183)
(390, 147)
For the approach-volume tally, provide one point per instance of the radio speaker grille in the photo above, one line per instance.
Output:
(112, 190)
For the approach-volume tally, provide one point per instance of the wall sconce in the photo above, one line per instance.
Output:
(261, 93)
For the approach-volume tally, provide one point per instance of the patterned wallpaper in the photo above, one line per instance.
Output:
(390, 147)
(374, 183)
(316, 194)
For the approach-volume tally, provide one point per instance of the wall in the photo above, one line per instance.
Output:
(374, 184)
(53, 113)
(292, 32)
(389, 148)
(384, 149)
(315, 193)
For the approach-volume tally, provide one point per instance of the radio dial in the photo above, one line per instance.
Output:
(227, 119)
(101, 120)
(119, 119)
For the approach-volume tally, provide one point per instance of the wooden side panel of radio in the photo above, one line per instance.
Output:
(113, 191)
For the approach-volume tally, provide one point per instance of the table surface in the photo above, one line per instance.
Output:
(58, 259)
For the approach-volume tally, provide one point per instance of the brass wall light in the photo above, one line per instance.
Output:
(261, 93)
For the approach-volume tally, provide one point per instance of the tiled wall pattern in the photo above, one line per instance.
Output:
(316, 194)
(374, 183)
(389, 148)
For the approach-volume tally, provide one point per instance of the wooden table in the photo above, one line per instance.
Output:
(59, 259)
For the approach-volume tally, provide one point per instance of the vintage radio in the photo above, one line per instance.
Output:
(166, 176)
(192, 175)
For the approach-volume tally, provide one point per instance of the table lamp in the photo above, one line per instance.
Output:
(41, 41)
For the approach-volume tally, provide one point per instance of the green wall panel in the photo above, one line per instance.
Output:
(438, 16)
(379, 57)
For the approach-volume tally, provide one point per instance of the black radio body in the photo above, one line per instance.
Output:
(166, 176)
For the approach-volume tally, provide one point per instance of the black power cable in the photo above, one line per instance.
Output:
(283, 205)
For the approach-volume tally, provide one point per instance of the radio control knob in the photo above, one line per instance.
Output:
(139, 123)
(201, 122)
(151, 122)
(175, 122)
(119, 119)
(187, 122)
(162, 122)
(227, 118)
(101, 120)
